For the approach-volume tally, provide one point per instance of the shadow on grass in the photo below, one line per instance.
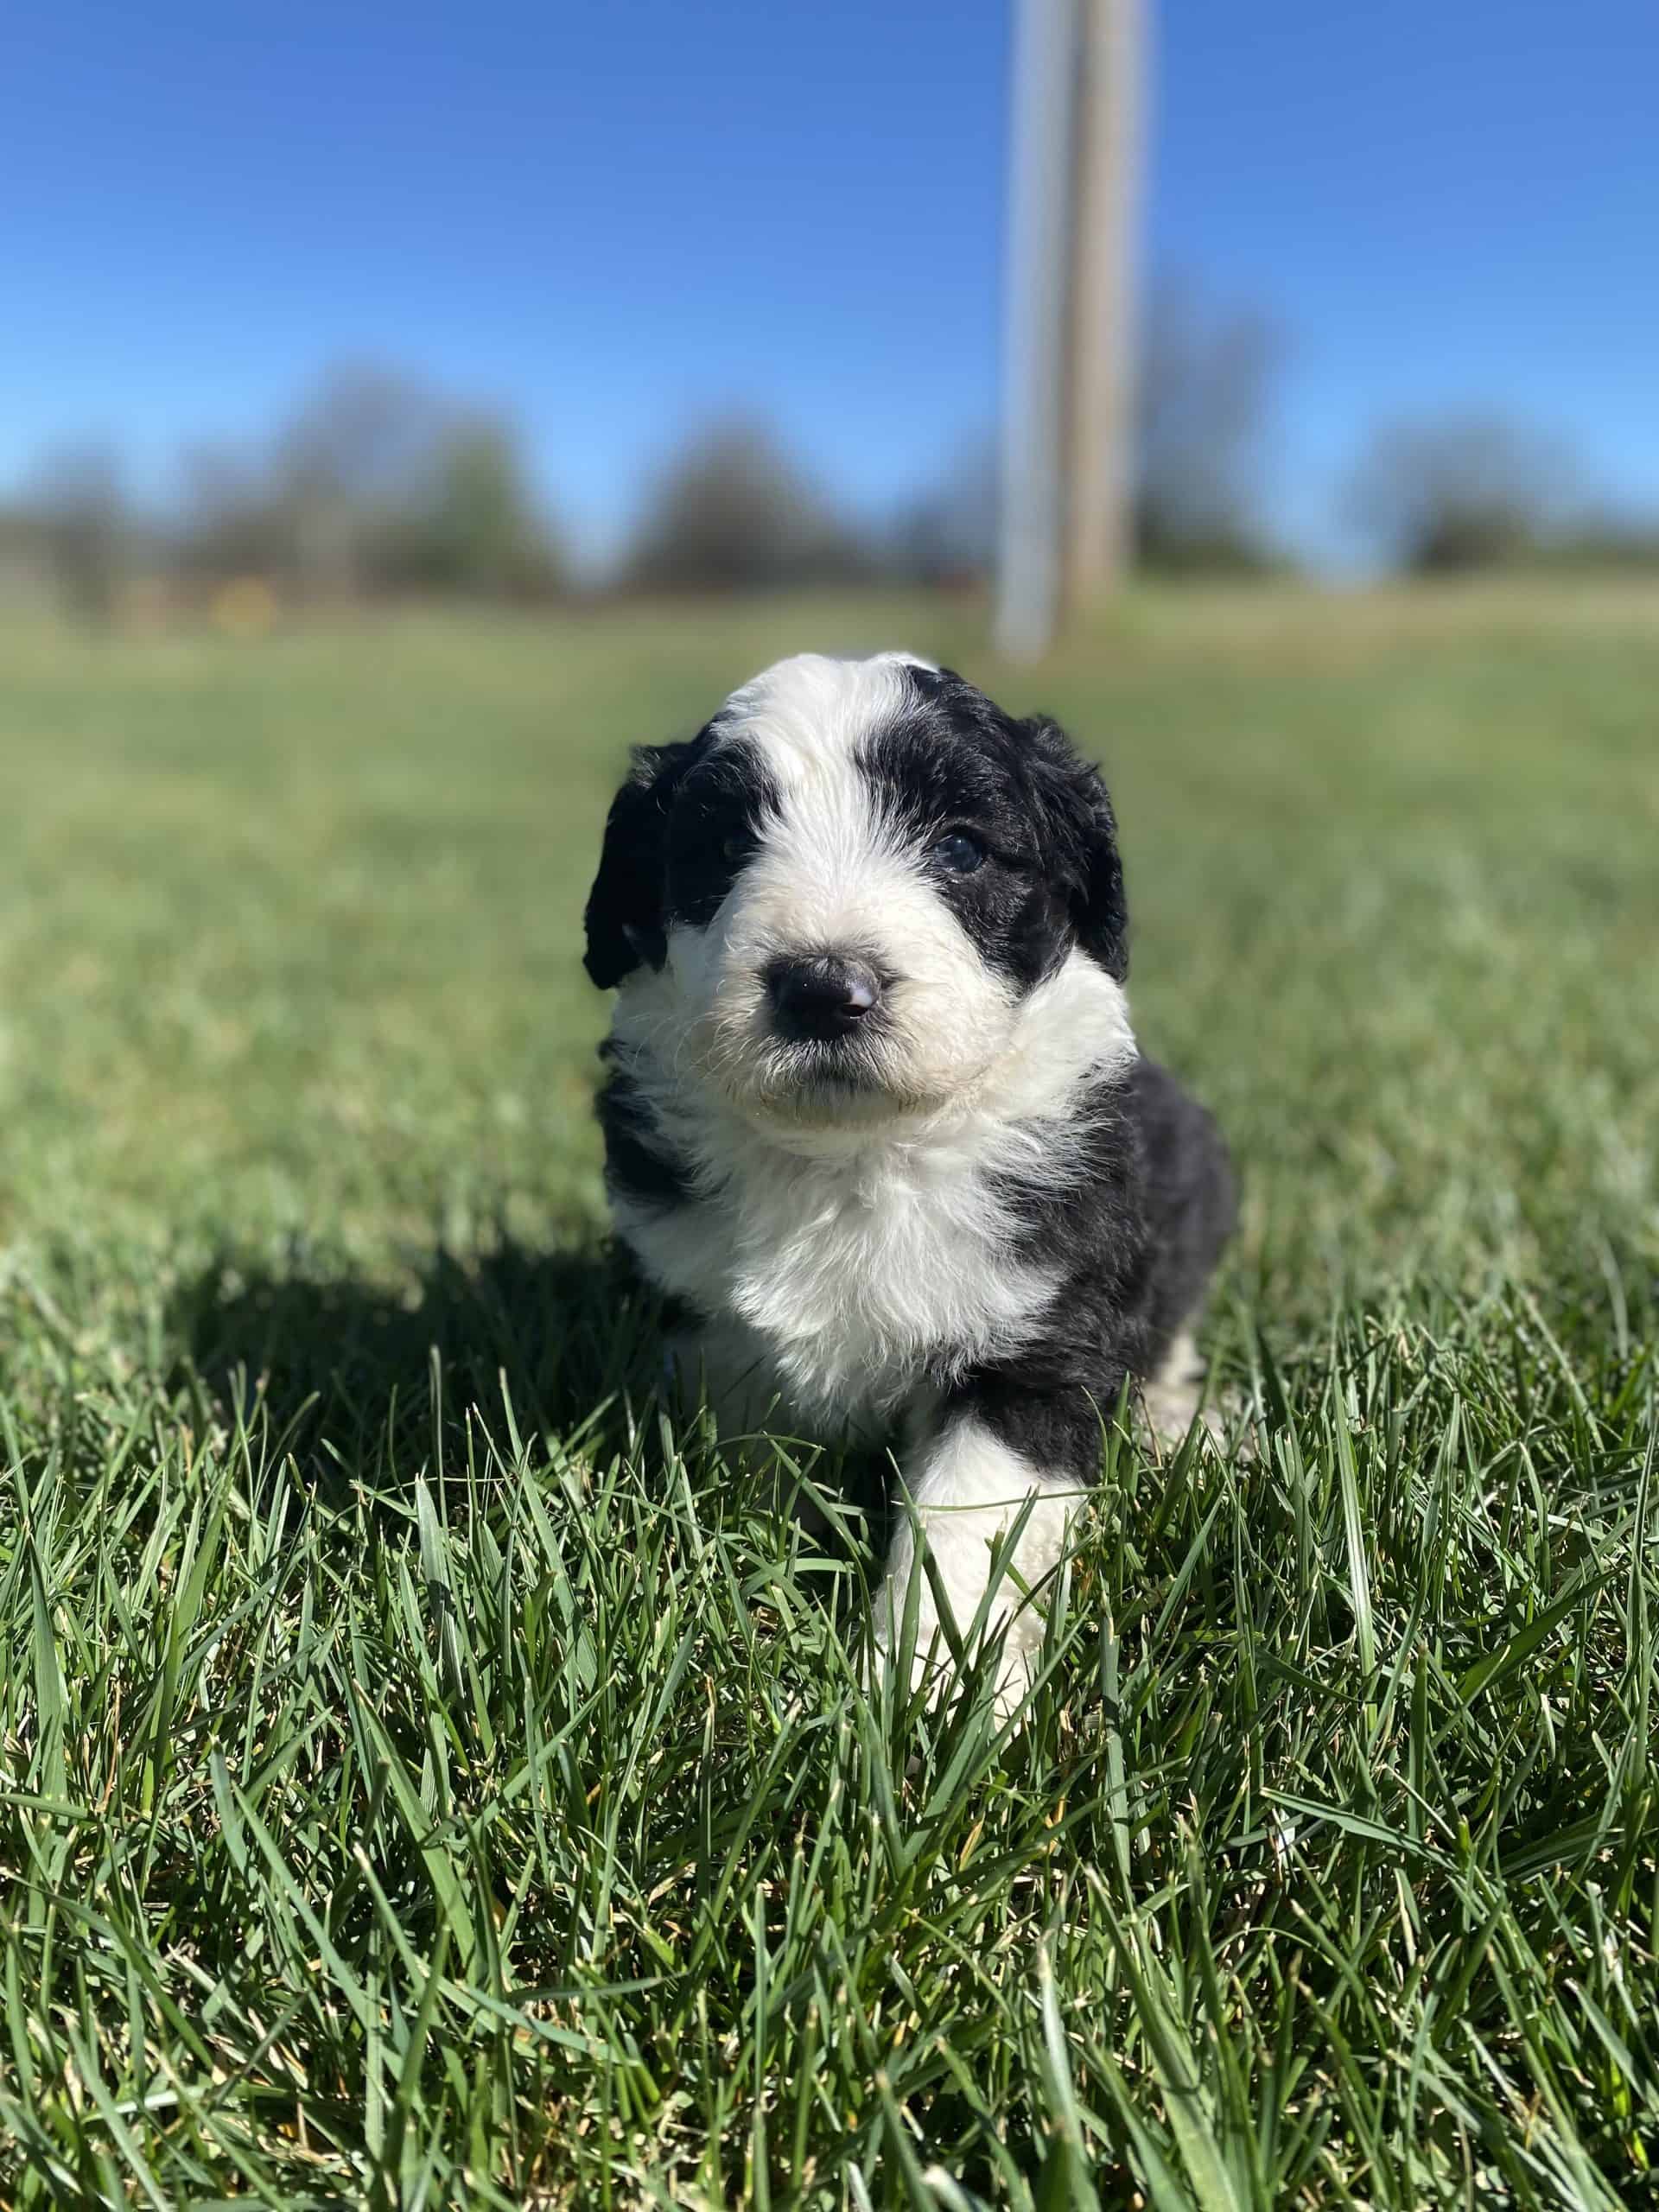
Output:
(361, 1382)
(374, 1381)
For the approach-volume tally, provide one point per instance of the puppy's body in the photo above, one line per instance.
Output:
(875, 1115)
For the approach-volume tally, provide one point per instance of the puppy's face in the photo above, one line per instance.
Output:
(832, 903)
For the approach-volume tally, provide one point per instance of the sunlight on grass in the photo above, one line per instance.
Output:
(426, 1778)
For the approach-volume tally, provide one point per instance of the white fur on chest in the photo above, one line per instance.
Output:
(858, 1279)
(855, 1267)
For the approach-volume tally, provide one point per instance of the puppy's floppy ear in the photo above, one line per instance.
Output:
(1081, 829)
(625, 907)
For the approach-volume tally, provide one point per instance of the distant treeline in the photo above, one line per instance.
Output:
(376, 485)
(379, 486)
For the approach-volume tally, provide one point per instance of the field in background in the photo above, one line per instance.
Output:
(412, 1768)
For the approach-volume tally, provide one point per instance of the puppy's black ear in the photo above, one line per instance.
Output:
(1081, 830)
(625, 907)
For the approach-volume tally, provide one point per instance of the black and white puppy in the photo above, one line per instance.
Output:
(875, 1117)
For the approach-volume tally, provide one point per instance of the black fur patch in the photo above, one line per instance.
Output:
(679, 830)
(1137, 1243)
(625, 920)
(1051, 876)
(638, 1163)
(713, 828)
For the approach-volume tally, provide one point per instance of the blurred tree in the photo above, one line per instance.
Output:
(947, 533)
(351, 466)
(732, 511)
(473, 527)
(365, 436)
(82, 517)
(377, 483)
(232, 521)
(479, 517)
(1205, 409)
(1463, 492)
(1607, 539)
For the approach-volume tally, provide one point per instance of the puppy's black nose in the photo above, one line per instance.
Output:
(818, 1000)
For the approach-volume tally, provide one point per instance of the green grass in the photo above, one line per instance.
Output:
(424, 1780)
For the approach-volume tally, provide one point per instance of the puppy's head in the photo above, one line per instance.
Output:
(832, 903)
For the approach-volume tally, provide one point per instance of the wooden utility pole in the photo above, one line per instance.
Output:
(1069, 339)
(1100, 405)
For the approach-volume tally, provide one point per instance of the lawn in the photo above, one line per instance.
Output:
(427, 1779)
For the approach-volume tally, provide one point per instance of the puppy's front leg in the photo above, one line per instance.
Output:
(964, 1485)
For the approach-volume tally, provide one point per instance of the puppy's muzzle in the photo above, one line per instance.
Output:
(822, 998)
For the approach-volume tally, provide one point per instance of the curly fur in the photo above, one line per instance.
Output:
(974, 1213)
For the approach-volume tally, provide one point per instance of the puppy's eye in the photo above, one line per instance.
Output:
(960, 852)
(737, 848)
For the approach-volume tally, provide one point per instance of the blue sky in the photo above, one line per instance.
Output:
(613, 216)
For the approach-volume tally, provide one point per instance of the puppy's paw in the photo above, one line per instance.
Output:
(1015, 1628)
(1172, 1401)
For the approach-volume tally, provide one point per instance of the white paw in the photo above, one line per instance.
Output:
(1014, 1621)
(994, 1526)
(1172, 1401)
